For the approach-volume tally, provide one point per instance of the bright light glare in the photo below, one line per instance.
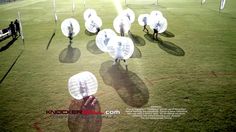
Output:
(118, 6)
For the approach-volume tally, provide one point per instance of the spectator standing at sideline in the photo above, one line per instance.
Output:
(13, 30)
(17, 24)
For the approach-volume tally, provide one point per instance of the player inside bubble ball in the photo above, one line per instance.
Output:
(94, 25)
(155, 34)
(106, 40)
(122, 30)
(119, 55)
(145, 24)
(70, 29)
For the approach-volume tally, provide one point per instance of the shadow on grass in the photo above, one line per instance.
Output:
(50, 40)
(92, 47)
(138, 41)
(171, 48)
(167, 34)
(89, 33)
(137, 53)
(167, 46)
(83, 121)
(128, 85)
(150, 38)
(8, 45)
(69, 55)
(9, 70)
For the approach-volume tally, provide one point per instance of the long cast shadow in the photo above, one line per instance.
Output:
(84, 122)
(69, 55)
(89, 33)
(137, 53)
(9, 70)
(171, 48)
(8, 45)
(150, 38)
(128, 85)
(139, 41)
(167, 46)
(167, 34)
(92, 47)
(50, 40)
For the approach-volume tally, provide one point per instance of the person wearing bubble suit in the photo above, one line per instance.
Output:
(106, 40)
(119, 56)
(122, 31)
(158, 23)
(70, 29)
(82, 85)
(155, 34)
(84, 91)
(85, 109)
(143, 20)
(145, 24)
(93, 24)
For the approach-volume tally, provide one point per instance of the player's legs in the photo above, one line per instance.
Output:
(126, 64)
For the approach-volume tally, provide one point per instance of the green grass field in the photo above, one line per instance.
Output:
(195, 70)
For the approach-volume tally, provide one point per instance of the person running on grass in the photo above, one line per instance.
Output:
(155, 34)
(119, 55)
(145, 24)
